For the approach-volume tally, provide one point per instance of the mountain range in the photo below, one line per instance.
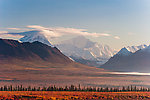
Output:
(85, 51)
(79, 49)
(37, 64)
(135, 48)
(21, 60)
(125, 60)
(85, 48)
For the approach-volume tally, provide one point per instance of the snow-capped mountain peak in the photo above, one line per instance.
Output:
(36, 35)
(136, 48)
(124, 52)
(85, 48)
(146, 49)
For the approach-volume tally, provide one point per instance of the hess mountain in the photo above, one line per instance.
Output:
(125, 60)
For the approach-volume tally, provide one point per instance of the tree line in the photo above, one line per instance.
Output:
(73, 88)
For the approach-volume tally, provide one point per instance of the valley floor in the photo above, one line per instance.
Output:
(53, 95)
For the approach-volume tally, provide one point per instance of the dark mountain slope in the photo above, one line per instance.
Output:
(132, 62)
(31, 51)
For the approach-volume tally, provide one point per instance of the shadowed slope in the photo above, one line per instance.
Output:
(132, 62)
(31, 51)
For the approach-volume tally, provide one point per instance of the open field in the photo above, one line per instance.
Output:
(40, 95)
(46, 74)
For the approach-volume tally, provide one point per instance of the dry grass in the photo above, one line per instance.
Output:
(44, 95)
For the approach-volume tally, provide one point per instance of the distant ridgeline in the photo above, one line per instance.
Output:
(73, 88)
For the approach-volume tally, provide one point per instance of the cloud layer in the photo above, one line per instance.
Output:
(13, 28)
(5, 34)
(116, 37)
(55, 32)
(60, 31)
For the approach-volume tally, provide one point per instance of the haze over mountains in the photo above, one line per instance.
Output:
(84, 51)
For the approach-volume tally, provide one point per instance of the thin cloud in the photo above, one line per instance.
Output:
(2, 32)
(35, 27)
(13, 28)
(55, 32)
(131, 33)
(117, 37)
(60, 31)
(5, 34)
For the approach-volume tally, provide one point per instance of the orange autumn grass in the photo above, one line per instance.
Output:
(57, 95)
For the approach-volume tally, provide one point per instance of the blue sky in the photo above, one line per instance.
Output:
(127, 19)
